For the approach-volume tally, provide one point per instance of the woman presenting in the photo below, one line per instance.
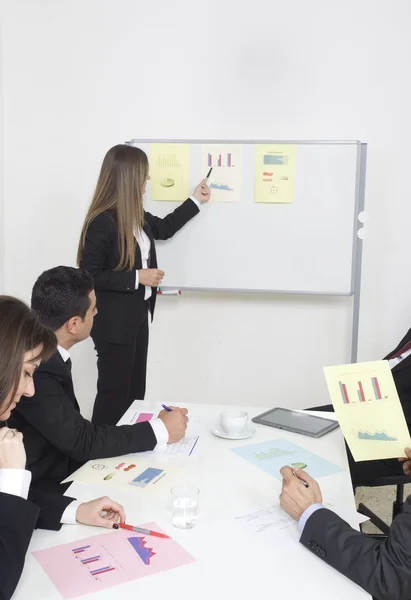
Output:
(117, 248)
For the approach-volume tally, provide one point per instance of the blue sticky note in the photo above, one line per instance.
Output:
(272, 455)
(146, 477)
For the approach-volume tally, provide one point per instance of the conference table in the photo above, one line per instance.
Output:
(231, 560)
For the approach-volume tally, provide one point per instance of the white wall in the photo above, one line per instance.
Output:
(81, 75)
(1, 171)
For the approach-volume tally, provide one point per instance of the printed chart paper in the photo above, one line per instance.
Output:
(226, 176)
(274, 173)
(368, 408)
(272, 455)
(122, 472)
(268, 521)
(169, 172)
(184, 447)
(103, 561)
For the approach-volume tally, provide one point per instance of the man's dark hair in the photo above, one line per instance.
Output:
(60, 294)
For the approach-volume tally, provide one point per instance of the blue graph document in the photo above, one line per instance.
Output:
(272, 455)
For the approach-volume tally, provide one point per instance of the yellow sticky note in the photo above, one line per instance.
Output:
(169, 172)
(274, 173)
(368, 408)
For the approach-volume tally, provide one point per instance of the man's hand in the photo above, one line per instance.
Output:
(150, 277)
(102, 512)
(12, 452)
(175, 421)
(406, 462)
(295, 498)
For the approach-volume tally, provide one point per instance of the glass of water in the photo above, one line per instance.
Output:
(184, 506)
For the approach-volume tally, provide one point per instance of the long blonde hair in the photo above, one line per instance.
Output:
(119, 191)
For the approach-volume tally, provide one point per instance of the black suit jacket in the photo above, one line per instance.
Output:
(57, 438)
(121, 308)
(402, 378)
(18, 519)
(383, 569)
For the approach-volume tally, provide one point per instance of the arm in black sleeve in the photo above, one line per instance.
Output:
(163, 229)
(100, 236)
(52, 507)
(17, 521)
(52, 414)
(383, 569)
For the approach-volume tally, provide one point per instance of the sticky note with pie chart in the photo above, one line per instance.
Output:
(169, 172)
(274, 173)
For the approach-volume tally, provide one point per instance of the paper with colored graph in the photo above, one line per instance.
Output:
(184, 447)
(274, 173)
(169, 172)
(368, 408)
(127, 473)
(272, 455)
(96, 563)
(226, 176)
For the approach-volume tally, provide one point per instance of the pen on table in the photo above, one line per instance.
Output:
(167, 408)
(208, 175)
(140, 530)
(302, 480)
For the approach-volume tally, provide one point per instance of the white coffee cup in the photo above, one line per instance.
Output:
(234, 422)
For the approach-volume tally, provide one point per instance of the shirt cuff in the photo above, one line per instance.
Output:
(15, 482)
(137, 283)
(161, 433)
(307, 514)
(69, 515)
(195, 201)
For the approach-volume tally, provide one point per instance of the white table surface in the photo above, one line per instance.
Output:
(228, 563)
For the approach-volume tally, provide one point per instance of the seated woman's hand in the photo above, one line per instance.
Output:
(102, 512)
(12, 452)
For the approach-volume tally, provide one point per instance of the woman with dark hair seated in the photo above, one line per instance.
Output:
(24, 343)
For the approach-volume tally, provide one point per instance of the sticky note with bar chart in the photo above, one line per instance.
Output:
(368, 408)
(102, 561)
(272, 455)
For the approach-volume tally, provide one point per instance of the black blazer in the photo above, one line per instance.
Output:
(383, 569)
(18, 519)
(402, 378)
(121, 308)
(57, 438)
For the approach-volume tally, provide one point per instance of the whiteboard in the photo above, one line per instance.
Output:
(306, 247)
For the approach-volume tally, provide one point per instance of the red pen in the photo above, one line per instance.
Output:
(140, 530)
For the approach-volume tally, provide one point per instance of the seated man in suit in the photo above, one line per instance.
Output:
(382, 568)
(57, 438)
(400, 362)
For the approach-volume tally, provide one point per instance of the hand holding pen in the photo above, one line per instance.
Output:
(175, 419)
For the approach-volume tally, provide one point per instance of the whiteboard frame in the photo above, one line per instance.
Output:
(356, 256)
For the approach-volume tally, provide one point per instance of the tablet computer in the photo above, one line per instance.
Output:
(297, 422)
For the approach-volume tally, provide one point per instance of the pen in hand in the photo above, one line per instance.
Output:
(305, 484)
(167, 408)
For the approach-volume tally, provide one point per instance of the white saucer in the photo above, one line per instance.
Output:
(247, 433)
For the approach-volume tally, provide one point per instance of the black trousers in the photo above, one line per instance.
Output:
(367, 471)
(122, 372)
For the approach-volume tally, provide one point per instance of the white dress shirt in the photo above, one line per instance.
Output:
(393, 362)
(144, 244)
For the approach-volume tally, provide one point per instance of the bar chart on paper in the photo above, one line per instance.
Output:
(367, 390)
(368, 408)
(103, 561)
(226, 178)
(272, 455)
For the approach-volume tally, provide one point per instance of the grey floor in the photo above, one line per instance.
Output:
(379, 500)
